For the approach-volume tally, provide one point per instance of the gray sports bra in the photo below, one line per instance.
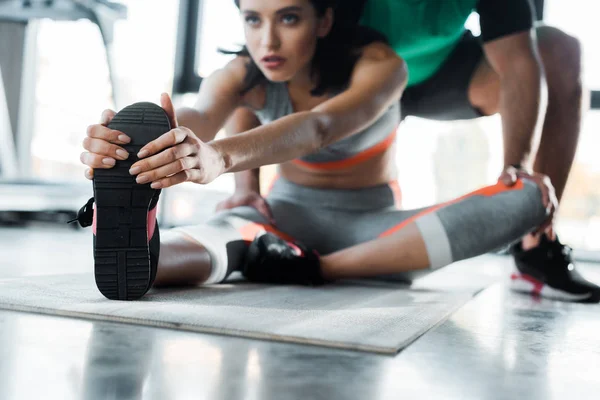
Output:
(349, 151)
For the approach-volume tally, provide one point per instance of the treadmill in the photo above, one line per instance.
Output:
(22, 198)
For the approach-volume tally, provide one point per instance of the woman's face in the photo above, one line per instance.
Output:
(281, 35)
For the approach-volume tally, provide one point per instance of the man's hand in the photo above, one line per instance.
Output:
(509, 177)
(248, 198)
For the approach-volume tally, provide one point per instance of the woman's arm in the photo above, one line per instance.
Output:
(376, 83)
(218, 97)
(247, 183)
(180, 156)
(243, 120)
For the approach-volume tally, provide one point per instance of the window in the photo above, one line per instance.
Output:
(579, 18)
(580, 210)
(220, 28)
(73, 86)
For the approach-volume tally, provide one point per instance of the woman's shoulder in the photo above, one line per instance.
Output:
(236, 68)
(379, 57)
(378, 51)
(236, 71)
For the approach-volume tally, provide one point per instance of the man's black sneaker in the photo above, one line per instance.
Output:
(548, 271)
(271, 259)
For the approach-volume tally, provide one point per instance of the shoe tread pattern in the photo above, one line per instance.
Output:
(121, 254)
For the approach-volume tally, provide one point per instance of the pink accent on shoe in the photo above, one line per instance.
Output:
(94, 222)
(152, 222)
(297, 249)
(537, 285)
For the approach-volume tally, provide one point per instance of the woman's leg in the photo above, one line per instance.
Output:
(472, 225)
(182, 261)
(208, 253)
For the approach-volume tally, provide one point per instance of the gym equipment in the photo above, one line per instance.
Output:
(22, 198)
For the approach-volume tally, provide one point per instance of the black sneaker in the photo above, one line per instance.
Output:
(271, 259)
(126, 235)
(548, 271)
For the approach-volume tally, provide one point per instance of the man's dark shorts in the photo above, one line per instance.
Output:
(444, 96)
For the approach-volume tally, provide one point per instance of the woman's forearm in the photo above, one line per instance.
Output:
(199, 123)
(283, 140)
(243, 120)
(248, 181)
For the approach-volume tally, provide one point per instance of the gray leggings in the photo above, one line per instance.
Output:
(328, 220)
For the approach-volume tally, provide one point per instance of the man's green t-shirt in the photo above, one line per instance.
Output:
(422, 32)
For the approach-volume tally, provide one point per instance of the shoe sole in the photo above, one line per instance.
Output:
(121, 252)
(526, 284)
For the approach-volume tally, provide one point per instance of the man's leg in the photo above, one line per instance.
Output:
(561, 56)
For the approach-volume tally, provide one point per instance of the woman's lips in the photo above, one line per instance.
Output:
(273, 62)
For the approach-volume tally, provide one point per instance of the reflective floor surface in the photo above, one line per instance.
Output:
(499, 346)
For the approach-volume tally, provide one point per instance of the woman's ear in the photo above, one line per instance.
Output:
(325, 23)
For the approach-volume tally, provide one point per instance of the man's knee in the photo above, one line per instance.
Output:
(561, 56)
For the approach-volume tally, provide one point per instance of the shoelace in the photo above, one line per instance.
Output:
(85, 216)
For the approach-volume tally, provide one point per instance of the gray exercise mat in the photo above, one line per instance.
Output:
(370, 316)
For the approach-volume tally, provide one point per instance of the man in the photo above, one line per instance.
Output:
(453, 75)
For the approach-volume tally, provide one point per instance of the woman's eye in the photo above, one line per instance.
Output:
(252, 20)
(289, 19)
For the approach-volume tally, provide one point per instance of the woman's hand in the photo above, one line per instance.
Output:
(177, 156)
(102, 145)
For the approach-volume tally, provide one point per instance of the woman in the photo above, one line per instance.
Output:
(325, 108)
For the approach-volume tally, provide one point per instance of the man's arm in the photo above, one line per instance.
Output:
(511, 50)
(522, 100)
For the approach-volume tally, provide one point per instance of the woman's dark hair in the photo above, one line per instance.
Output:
(335, 55)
